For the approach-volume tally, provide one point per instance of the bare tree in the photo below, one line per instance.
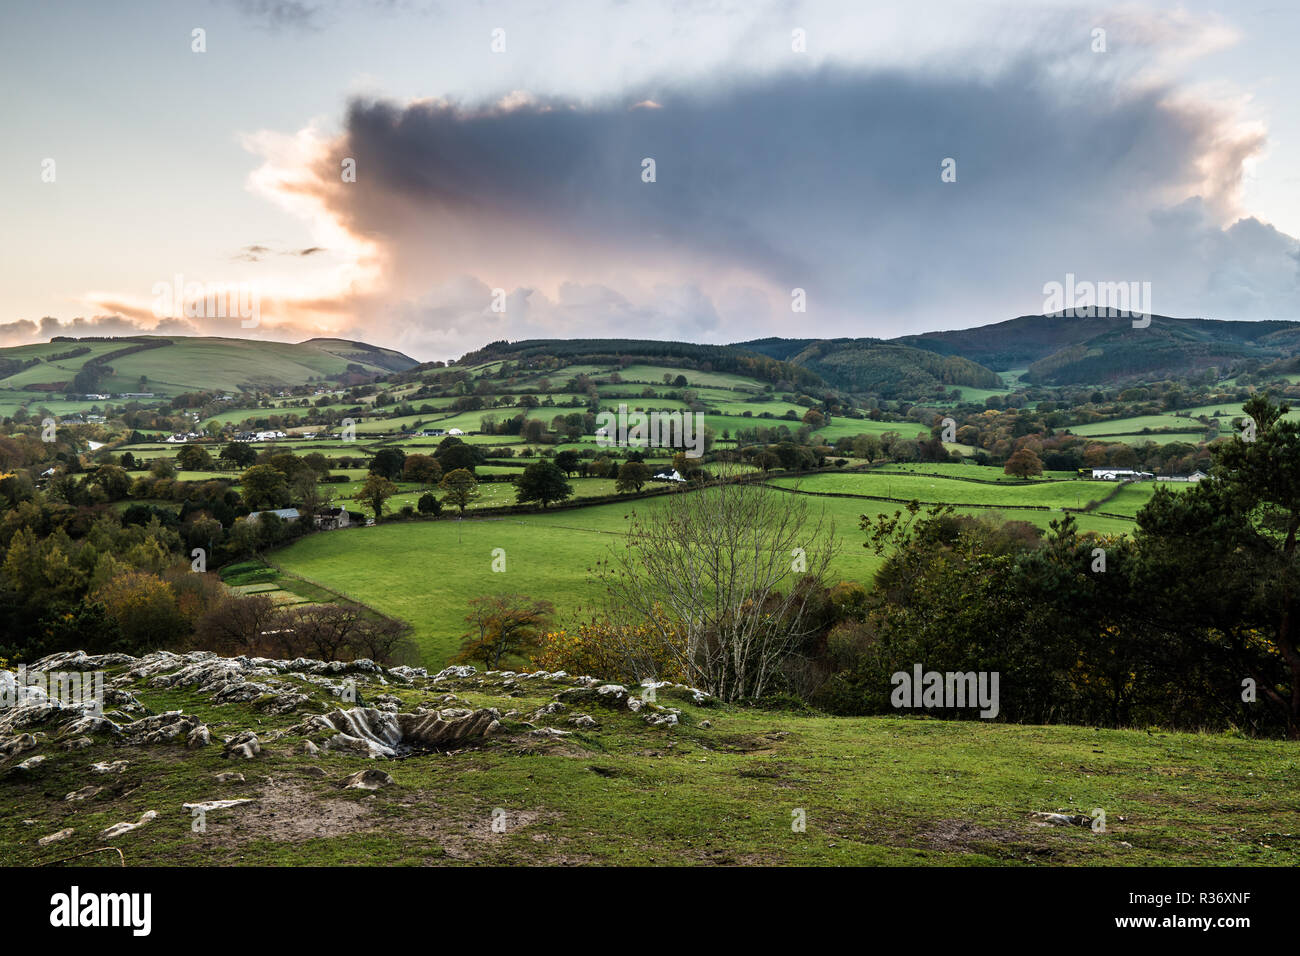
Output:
(383, 640)
(236, 625)
(723, 577)
(328, 630)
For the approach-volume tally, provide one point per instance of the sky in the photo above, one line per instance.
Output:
(435, 176)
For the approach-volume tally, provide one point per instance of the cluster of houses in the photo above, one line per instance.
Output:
(437, 432)
(1128, 474)
(105, 396)
(181, 438)
(326, 519)
(272, 435)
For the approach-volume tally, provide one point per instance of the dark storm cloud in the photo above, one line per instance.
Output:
(830, 181)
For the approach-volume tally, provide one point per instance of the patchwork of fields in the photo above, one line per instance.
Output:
(425, 572)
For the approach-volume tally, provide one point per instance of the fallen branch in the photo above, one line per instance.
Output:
(102, 849)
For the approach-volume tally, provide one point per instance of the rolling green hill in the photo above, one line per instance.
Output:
(891, 371)
(1063, 351)
(675, 355)
(170, 365)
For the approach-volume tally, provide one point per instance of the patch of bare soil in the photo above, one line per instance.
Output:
(288, 811)
(963, 836)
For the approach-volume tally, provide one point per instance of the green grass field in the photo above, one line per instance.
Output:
(1189, 438)
(969, 470)
(927, 489)
(425, 572)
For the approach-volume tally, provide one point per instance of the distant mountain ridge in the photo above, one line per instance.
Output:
(1054, 349)
(1061, 350)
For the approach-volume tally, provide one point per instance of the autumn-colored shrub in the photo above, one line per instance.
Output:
(626, 653)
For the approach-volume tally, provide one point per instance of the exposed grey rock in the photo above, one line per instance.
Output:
(92, 724)
(360, 730)
(242, 692)
(243, 745)
(230, 777)
(407, 673)
(211, 805)
(374, 733)
(553, 707)
(85, 793)
(550, 732)
(80, 661)
(283, 703)
(200, 736)
(583, 720)
(30, 707)
(78, 743)
(118, 829)
(117, 766)
(459, 670)
(440, 732)
(55, 837)
(366, 780)
(410, 673)
(313, 771)
(308, 748)
(209, 675)
(1062, 819)
(161, 728)
(31, 763)
(124, 701)
(16, 745)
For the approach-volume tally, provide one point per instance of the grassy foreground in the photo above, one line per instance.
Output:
(872, 791)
